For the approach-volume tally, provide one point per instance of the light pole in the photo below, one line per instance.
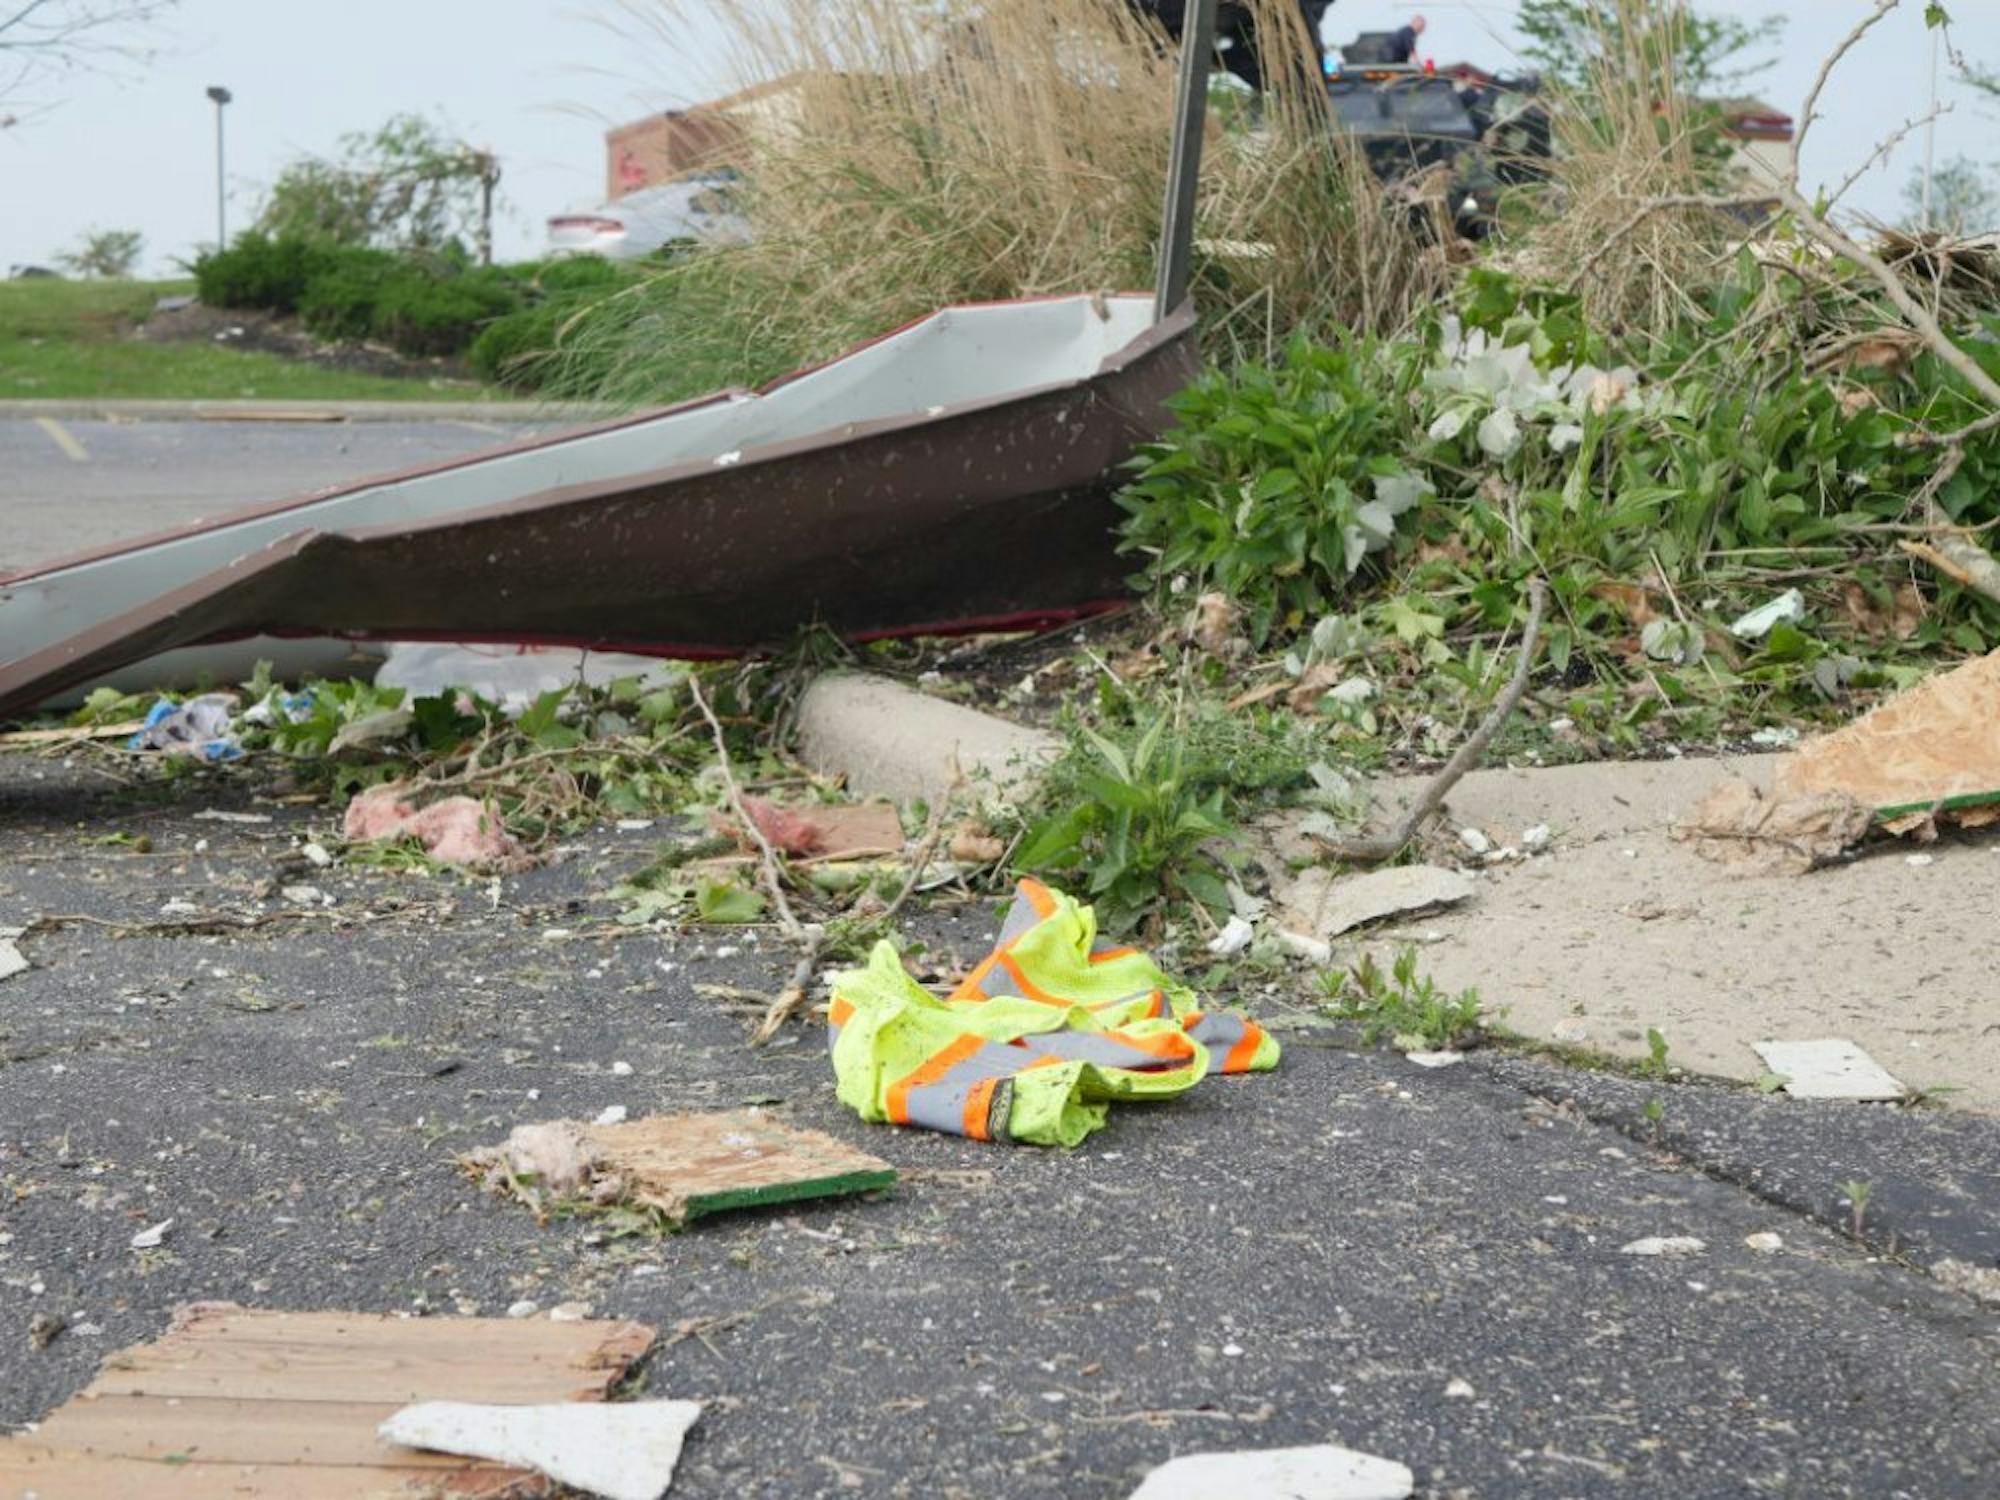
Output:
(221, 97)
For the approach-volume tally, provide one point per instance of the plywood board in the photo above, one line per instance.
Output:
(1933, 746)
(691, 1165)
(238, 1404)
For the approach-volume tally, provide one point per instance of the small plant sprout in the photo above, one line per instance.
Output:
(1857, 1193)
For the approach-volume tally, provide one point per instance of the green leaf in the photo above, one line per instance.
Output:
(540, 716)
(1935, 16)
(1275, 482)
(726, 903)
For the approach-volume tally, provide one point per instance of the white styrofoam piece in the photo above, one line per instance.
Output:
(1829, 1068)
(620, 1450)
(1319, 1473)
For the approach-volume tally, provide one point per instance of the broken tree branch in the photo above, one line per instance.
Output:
(1388, 845)
(1847, 44)
(808, 936)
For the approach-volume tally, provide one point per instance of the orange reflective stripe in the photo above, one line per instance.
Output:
(935, 1067)
(840, 1012)
(1167, 1045)
(1039, 898)
(969, 987)
(978, 1109)
(1028, 986)
(1244, 1052)
(1110, 953)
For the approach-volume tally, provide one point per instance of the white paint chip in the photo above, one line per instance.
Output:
(620, 1450)
(1766, 1242)
(1319, 1473)
(1436, 1059)
(1665, 1244)
(151, 1239)
(1233, 938)
(1829, 1068)
(11, 960)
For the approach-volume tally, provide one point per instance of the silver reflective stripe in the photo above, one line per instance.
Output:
(1104, 1051)
(1021, 917)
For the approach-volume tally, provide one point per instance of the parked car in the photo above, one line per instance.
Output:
(694, 210)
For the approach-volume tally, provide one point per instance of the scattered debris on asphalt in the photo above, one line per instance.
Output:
(457, 830)
(672, 1169)
(1323, 904)
(1982, 1282)
(1664, 1244)
(1441, 1059)
(229, 1398)
(1037, 1041)
(1830, 1068)
(200, 727)
(1324, 1472)
(44, 1328)
(1765, 1242)
(69, 734)
(153, 1238)
(12, 960)
(623, 1450)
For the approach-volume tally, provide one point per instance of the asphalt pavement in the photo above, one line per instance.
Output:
(1425, 1265)
(67, 485)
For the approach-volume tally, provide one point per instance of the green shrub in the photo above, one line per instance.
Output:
(339, 303)
(1278, 481)
(422, 314)
(258, 271)
(578, 273)
(519, 350)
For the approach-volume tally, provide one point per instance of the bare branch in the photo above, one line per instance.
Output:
(1887, 144)
(1389, 845)
(1847, 44)
(45, 37)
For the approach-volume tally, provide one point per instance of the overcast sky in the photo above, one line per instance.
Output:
(538, 80)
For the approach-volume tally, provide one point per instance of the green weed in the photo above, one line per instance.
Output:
(1403, 1005)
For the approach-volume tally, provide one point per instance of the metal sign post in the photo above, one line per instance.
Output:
(1184, 165)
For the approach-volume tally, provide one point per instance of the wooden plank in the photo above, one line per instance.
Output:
(70, 734)
(691, 1165)
(30, 1471)
(232, 1431)
(222, 1351)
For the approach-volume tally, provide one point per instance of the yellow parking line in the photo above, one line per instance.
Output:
(60, 436)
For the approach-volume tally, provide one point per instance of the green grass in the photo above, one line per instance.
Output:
(61, 339)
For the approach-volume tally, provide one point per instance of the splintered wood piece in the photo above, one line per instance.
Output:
(1930, 747)
(201, 1429)
(238, 1404)
(691, 1165)
(223, 1351)
(29, 1469)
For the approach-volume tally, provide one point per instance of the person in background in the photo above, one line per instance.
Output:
(1403, 44)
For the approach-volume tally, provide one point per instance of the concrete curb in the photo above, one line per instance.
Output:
(82, 410)
(891, 741)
